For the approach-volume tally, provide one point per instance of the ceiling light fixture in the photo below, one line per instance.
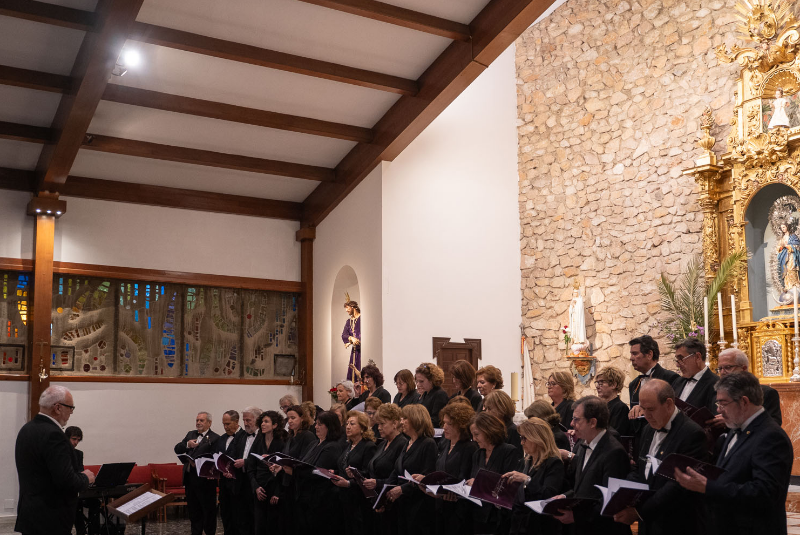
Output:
(127, 59)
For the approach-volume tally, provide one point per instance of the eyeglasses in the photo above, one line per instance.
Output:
(371, 413)
(601, 383)
(681, 359)
(550, 384)
(70, 407)
(722, 404)
(576, 418)
(522, 439)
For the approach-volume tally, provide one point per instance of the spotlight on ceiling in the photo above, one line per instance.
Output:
(127, 59)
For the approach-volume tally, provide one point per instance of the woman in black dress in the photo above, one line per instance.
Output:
(316, 503)
(406, 389)
(380, 468)
(488, 378)
(495, 455)
(542, 475)
(371, 406)
(300, 440)
(609, 383)
(346, 394)
(429, 378)
(456, 451)
(463, 379)
(561, 389)
(372, 379)
(499, 404)
(358, 452)
(266, 486)
(545, 411)
(414, 509)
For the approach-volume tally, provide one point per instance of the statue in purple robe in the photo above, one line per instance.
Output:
(351, 336)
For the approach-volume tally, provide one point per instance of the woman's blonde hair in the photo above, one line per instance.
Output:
(564, 380)
(499, 400)
(363, 423)
(419, 418)
(542, 409)
(613, 375)
(538, 432)
(341, 410)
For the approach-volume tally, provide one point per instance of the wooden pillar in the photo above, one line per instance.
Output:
(306, 237)
(39, 315)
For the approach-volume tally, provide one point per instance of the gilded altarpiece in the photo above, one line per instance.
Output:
(763, 151)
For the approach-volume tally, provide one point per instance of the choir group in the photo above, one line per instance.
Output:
(361, 464)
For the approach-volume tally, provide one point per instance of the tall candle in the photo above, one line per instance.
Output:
(515, 386)
(794, 290)
(706, 334)
(733, 317)
(721, 325)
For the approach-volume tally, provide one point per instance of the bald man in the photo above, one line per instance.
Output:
(668, 430)
(49, 481)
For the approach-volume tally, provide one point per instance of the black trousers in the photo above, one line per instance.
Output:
(227, 507)
(201, 500)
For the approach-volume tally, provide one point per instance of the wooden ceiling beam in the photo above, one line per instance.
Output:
(238, 114)
(17, 179)
(170, 153)
(218, 48)
(24, 132)
(46, 13)
(92, 69)
(498, 25)
(204, 201)
(41, 81)
(399, 16)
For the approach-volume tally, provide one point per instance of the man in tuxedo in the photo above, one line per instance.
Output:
(49, 480)
(232, 444)
(696, 384)
(600, 456)
(668, 431)
(244, 492)
(734, 360)
(644, 359)
(750, 496)
(201, 493)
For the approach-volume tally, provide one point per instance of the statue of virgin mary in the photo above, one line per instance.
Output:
(788, 251)
(577, 321)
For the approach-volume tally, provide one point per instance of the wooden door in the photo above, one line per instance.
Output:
(445, 353)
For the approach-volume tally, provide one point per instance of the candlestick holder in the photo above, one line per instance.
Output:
(735, 344)
(796, 372)
(708, 353)
(721, 344)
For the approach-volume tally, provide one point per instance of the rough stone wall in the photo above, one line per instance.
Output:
(609, 98)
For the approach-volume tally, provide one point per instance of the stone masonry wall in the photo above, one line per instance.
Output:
(609, 98)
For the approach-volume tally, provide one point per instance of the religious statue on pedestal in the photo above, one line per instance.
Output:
(577, 321)
(779, 116)
(351, 336)
(789, 256)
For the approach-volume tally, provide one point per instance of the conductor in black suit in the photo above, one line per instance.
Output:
(644, 359)
(750, 496)
(668, 431)
(232, 444)
(201, 493)
(599, 457)
(734, 360)
(49, 481)
(696, 384)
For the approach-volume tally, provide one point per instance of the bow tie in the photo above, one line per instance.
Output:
(251, 434)
(643, 376)
(737, 431)
(584, 445)
(692, 379)
(663, 430)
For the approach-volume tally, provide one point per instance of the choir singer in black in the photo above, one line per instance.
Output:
(201, 493)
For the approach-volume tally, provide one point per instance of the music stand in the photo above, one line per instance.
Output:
(113, 475)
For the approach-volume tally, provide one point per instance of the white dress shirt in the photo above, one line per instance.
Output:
(744, 426)
(691, 383)
(658, 439)
(592, 446)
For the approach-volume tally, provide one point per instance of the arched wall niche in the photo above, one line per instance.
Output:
(761, 242)
(346, 282)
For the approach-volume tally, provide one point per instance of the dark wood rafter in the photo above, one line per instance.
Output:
(92, 69)
(399, 16)
(218, 48)
(24, 132)
(54, 14)
(306, 237)
(41, 81)
(238, 114)
(144, 149)
(203, 201)
(493, 30)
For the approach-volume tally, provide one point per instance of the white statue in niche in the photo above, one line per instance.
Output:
(779, 116)
(577, 321)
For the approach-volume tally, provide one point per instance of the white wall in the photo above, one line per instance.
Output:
(349, 236)
(151, 237)
(451, 230)
(16, 239)
(14, 403)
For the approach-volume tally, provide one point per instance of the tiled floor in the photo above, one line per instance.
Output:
(793, 523)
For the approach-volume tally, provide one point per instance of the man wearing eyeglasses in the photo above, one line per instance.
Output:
(696, 384)
(49, 481)
(734, 360)
(750, 495)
